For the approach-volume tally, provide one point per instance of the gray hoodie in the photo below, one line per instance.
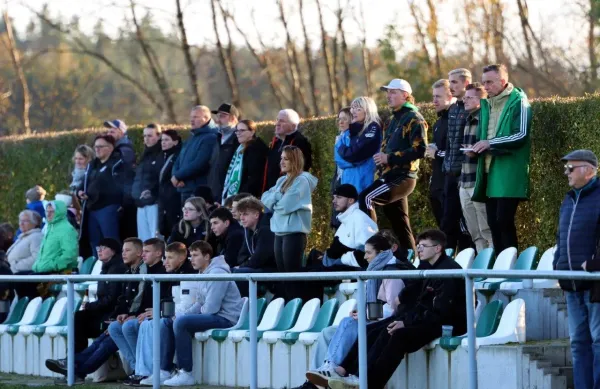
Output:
(217, 297)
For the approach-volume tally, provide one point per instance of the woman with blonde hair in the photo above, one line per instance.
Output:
(356, 147)
(82, 156)
(290, 200)
(195, 224)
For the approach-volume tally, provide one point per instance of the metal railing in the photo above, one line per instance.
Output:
(253, 278)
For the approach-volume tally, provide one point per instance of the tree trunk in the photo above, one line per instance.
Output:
(432, 31)
(591, 43)
(230, 51)
(16, 60)
(225, 59)
(328, 64)
(421, 35)
(347, 93)
(309, 62)
(185, 47)
(366, 53)
(524, 17)
(498, 31)
(470, 8)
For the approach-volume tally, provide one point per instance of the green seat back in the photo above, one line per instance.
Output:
(63, 318)
(489, 319)
(410, 255)
(326, 315)
(450, 253)
(484, 260)
(87, 265)
(527, 259)
(289, 315)
(44, 311)
(261, 306)
(17, 313)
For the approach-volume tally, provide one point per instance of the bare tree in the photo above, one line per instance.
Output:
(309, 62)
(497, 23)
(366, 53)
(524, 17)
(421, 38)
(469, 8)
(185, 47)
(344, 55)
(292, 57)
(328, 63)
(432, 31)
(591, 45)
(225, 57)
(16, 60)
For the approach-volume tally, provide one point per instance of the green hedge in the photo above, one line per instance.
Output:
(559, 125)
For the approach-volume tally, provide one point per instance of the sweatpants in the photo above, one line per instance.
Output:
(289, 252)
(501, 214)
(393, 196)
(147, 222)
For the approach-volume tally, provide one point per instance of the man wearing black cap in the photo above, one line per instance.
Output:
(227, 117)
(577, 248)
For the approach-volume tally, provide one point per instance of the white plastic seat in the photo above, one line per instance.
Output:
(6, 340)
(308, 338)
(511, 329)
(269, 321)
(465, 258)
(504, 261)
(306, 319)
(93, 285)
(204, 335)
(348, 289)
(545, 264)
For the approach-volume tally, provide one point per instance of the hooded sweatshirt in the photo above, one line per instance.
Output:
(292, 210)
(59, 248)
(220, 298)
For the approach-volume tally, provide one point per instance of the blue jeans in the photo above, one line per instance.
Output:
(185, 327)
(143, 359)
(90, 359)
(342, 341)
(147, 222)
(584, 331)
(125, 336)
(102, 223)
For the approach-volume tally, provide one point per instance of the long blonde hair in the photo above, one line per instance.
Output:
(296, 158)
(185, 227)
(370, 108)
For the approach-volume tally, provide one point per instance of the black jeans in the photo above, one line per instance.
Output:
(91, 358)
(453, 224)
(289, 252)
(385, 351)
(88, 324)
(436, 199)
(501, 214)
(393, 196)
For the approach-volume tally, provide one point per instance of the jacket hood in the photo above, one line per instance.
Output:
(60, 212)
(346, 214)
(209, 127)
(312, 180)
(217, 263)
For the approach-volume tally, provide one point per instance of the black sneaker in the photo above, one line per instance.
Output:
(133, 380)
(307, 385)
(57, 365)
(63, 381)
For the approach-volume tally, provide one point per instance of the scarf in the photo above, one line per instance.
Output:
(233, 179)
(380, 261)
(77, 175)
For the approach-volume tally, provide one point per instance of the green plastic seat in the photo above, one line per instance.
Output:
(410, 255)
(40, 318)
(450, 253)
(330, 291)
(40, 329)
(525, 261)
(484, 260)
(261, 306)
(288, 317)
(17, 313)
(87, 265)
(487, 324)
(324, 319)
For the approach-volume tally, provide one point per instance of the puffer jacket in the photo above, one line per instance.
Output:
(147, 176)
(105, 182)
(169, 199)
(453, 159)
(23, 253)
(60, 246)
(578, 229)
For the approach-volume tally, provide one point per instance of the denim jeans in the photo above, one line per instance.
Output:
(143, 353)
(584, 331)
(102, 223)
(322, 348)
(343, 340)
(147, 222)
(184, 328)
(90, 359)
(125, 336)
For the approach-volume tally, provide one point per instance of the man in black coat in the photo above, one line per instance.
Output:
(226, 118)
(424, 308)
(229, 233)
(286, 133)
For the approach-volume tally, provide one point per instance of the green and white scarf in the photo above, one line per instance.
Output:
(233, 179)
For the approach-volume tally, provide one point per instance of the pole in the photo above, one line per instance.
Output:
(70, 334)
(362, 334)
(469, 290)
(156, 334)
(253, 335)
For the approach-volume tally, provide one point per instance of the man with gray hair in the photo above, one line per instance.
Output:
(286, 134)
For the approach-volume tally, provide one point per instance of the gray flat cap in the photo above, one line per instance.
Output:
(582, 155)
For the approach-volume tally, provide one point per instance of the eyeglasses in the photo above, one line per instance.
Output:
(570, 167)
(188, 209)
(240, 130)
(423, 246)
(101, 147)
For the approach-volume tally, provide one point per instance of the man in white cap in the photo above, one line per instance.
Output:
(398, 162)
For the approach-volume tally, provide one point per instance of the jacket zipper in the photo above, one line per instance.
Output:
(569, 237)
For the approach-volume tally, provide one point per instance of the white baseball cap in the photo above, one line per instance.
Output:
(398, 83)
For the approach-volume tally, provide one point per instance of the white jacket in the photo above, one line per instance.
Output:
(23, 253)
(356, 228)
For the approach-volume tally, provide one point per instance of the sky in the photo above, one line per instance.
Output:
(197, 16)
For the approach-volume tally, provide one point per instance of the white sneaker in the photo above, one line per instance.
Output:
(349, 382)
(164, 375)
(322, 375)
(182, 378)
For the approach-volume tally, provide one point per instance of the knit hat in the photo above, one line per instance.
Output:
(346, 190)
(111, 244)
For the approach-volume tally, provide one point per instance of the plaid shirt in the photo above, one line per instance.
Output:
(469, 165)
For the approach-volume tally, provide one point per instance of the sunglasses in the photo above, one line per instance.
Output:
(570, 168)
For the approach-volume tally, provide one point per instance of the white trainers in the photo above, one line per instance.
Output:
(182, 378)
(164, 375)
(349, 382)
(322, 375)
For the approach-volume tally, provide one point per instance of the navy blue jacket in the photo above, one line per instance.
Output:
(578, 229)
(453, 159)
(193, 165)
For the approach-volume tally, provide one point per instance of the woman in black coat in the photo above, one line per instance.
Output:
(169, 200)
(246, 169)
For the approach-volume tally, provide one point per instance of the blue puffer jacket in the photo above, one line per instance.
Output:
(578, 230)
(353, 154)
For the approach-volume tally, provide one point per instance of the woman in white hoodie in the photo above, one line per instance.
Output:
(23, 253)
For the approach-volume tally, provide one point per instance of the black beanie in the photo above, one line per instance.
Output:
(346, 190)
(111, 244)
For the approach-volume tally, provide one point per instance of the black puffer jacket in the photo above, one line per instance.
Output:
(440, 132)
(108, 292)
(105, 183)
(147, 176)
(169, 199)
(253, 162)
(457, 118)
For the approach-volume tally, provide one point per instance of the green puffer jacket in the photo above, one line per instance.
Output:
(60, 247)
(508, 176)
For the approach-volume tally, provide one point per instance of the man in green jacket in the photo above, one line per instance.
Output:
(59, 248)
(505, 147)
